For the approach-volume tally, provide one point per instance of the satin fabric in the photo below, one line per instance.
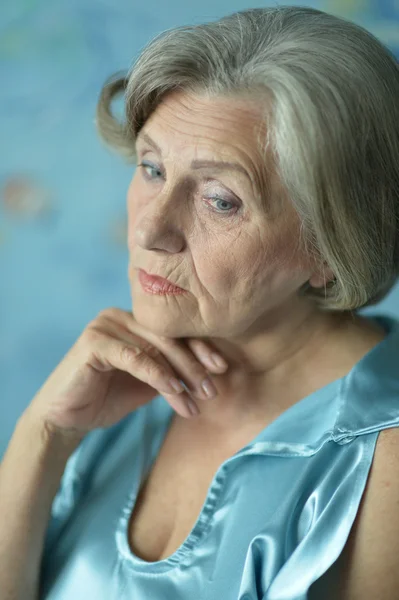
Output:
(276, 516)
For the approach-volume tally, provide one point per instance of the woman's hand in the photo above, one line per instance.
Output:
(116, 366)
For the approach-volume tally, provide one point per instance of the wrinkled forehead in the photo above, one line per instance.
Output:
(234, 128)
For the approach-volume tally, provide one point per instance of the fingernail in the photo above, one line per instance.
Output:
(219, 361)
(176, 385)
(192, 407)
(209, 388)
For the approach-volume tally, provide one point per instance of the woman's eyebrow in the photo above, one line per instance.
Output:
(199, 164)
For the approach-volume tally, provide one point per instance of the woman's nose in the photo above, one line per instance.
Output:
(159, 230)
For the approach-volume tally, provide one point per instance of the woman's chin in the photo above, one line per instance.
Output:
(156, 321)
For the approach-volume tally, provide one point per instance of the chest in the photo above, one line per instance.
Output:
(172, 495)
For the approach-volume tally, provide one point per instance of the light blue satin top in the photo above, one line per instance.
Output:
(276, 516)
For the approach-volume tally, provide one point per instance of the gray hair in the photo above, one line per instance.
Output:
(331, 117)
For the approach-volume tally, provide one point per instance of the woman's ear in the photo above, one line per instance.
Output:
(321, 279)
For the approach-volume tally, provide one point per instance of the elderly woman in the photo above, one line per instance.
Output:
(263, 214)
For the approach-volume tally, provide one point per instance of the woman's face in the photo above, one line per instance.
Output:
(206, 228)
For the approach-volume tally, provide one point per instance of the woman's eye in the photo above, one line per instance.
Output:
(231, 207)
(148, 166)
(223, 201)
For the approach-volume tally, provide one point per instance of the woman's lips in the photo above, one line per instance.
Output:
(154, 284)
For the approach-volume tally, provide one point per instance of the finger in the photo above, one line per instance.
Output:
(118, 323)
(122, 388)
(211, 359)
(190, 370)
(144, 362)
(153, 360)
(183, 404)
(178, 354)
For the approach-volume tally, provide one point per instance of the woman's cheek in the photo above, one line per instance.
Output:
(215, 273)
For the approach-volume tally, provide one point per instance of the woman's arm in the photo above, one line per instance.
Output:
(368, 564)
(30, 474)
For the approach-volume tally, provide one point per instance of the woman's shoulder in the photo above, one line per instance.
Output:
(366, 566)
(369, 394)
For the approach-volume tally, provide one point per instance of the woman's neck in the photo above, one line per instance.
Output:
(315, 357)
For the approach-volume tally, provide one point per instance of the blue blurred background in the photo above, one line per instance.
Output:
(63, 255)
